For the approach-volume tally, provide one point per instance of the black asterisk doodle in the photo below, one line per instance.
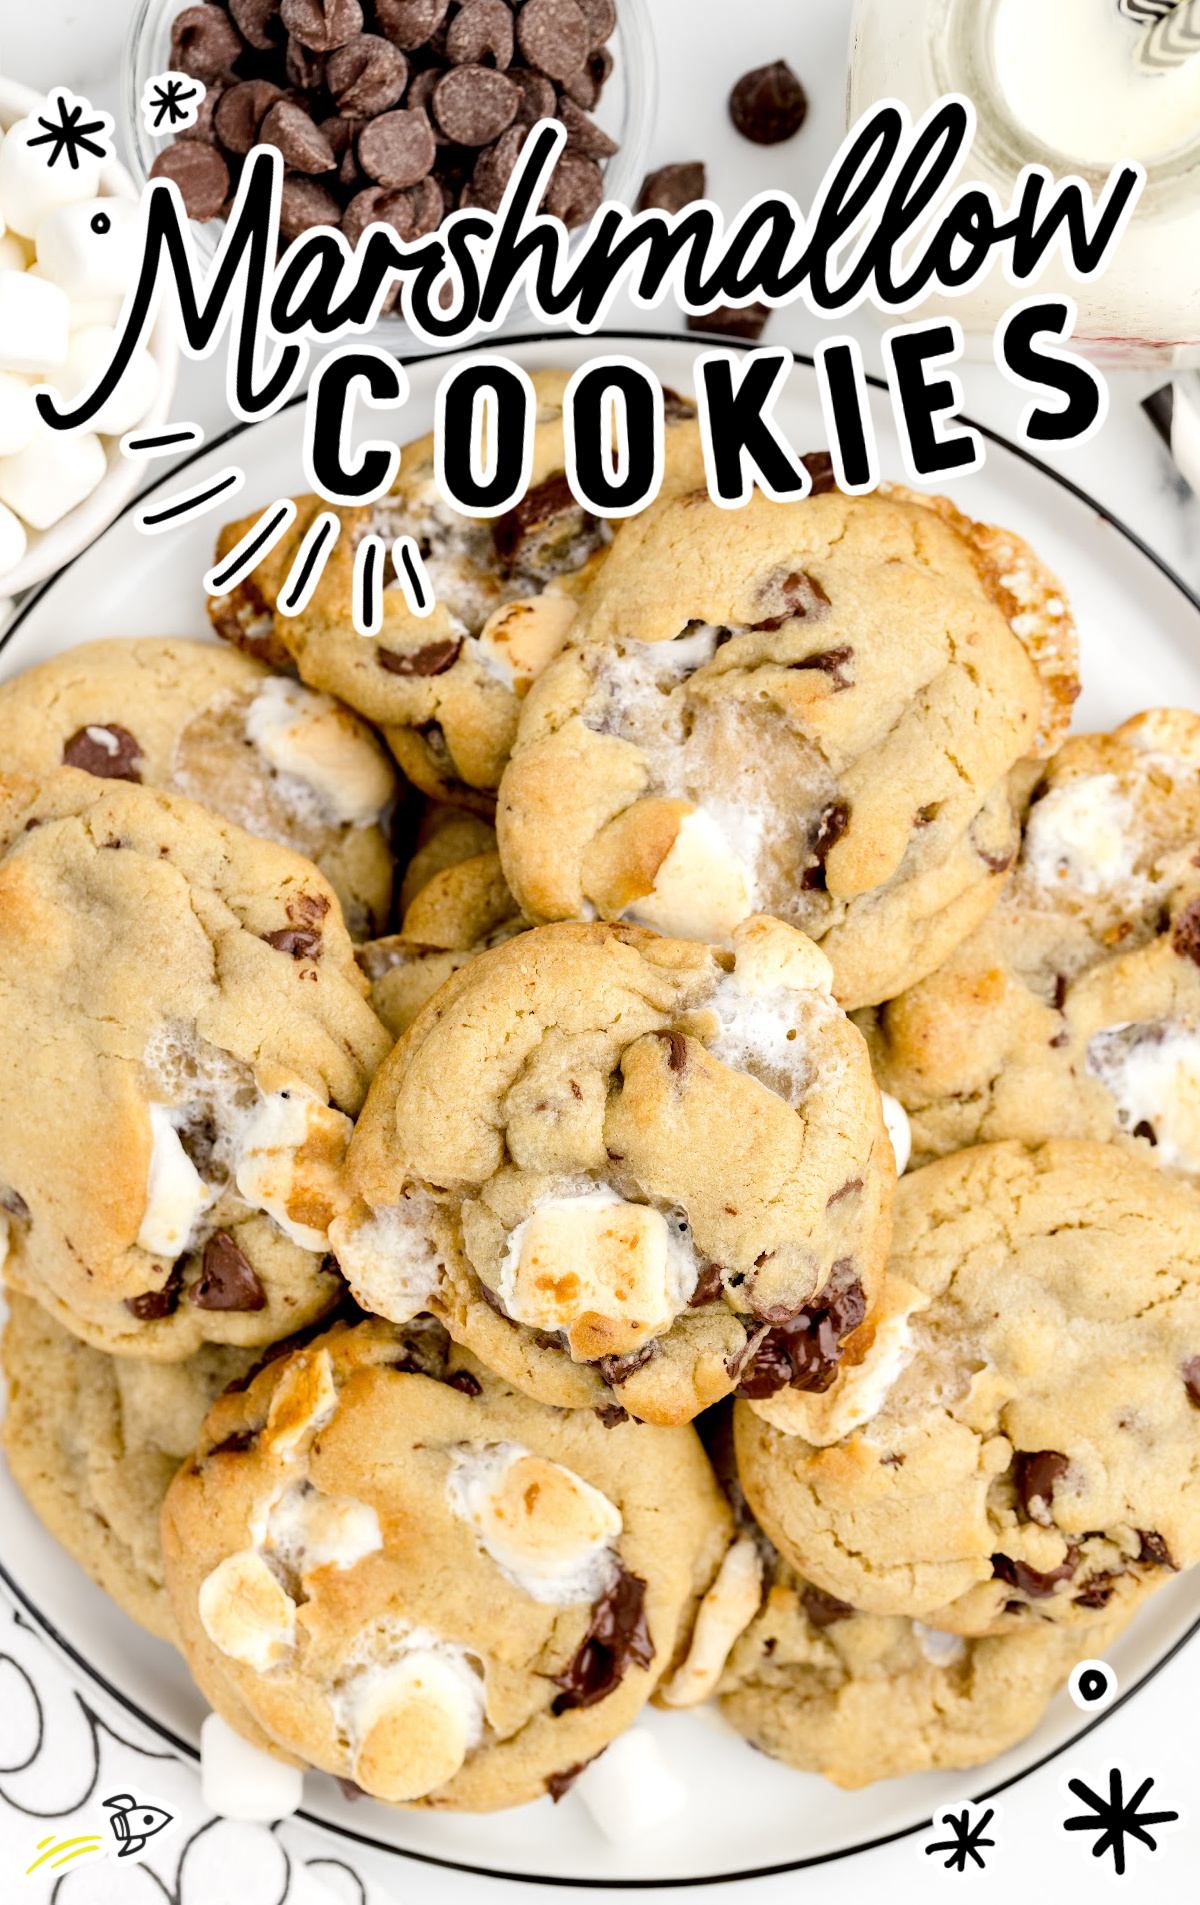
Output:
(967, 1841)
(70, 134)
(172, 100)
(1116, 1818)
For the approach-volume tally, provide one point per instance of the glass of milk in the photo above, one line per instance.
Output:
(1055, 82)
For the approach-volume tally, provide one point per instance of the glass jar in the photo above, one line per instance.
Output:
(1056, 85)
(625, 111)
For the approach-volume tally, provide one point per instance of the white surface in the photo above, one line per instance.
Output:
(1126, 468)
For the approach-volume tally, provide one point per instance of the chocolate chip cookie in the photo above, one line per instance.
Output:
(811, 709)
(1033, 1448)
(196, 719)
(184, 1039)
(629, 1169)
(386, 1562)
(93, 1441)
(446, 687)
(1074, 1009)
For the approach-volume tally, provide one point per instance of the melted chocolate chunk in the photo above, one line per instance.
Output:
(302, 942)
(105, 750)
(434, 659)
(464, 1382)
(1033, 1581)
(546, 533)
(307, 909)
(227, 1280)
(617, 1636)
(805, 1351)
(559, 1784)
(819, 465)
(709, 1286)
(823, 837)
(1191, 1380)
(154, 1304)
(1035, 1474)
(848, 1189)
(1098, 1592)
(1186, 937)
(611, 1413)
(236, 1444)
(618, 1369)
(799, 595)
(677, 1051)
(1144, 1129)
(996, 862)
(1153, 1550)
(824, 1609)
(1060, 991)
(831, 662)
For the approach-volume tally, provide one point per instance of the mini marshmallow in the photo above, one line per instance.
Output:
(702, 890)
(519, 639)
(85, 312)
(12, 253)
(88, 353)
(309, 737)
(548, 1531)
(1081, 834)
(609, 1273)
(305, 1399)
(630, 1789)
(18, 417)
(30, 188)
(34, 324)
(91, 249)
(13, 543)
(1152, 1071)
(725, 1612)
(246, 1613)
(389, 1257)
(288, 1164)
(769, 954)
(307, 1530)
(899, 1130)
(940, 1650)
(240, 1781)
(176, 1195)
(51, 475)
(412, 1723)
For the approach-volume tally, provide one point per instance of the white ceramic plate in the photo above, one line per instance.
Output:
(746, 1815)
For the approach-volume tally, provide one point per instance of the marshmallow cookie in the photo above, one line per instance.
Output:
(1032, 1454)
(273, 757)
(184, 1039)
(809, 709)
(387, 1563)
(93, 1442)
(860, 1697)
(454, 903)
(623, 1168)
(1074, 1009)
(445, 687)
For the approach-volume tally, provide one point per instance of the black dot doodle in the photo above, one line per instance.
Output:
(1092, 1686)
(101, 223)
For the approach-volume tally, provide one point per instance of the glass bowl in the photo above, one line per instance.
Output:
(625, 111)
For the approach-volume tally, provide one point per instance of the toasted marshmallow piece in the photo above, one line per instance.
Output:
(1153, 1073)
(288, 1164)
(30, 188)
(240, 1781)
(899, 1130)
(1081, 834)
(34, 329)
(725, 1612)
(91, 249)
(519, 639)
(608, 1273)
(861, 1387)
(245, 1612)
(51, 475)
(548, 1531)
(940, 1650)
(702, 890)
(389, 1257)
(412, 1724)
(308, 736)
(13, 540)
(630, 1789)
(89, 349)
(768, 954)
(176, 1194)
(307, 1530)
(304, 1401)
(1171, 731)
(18, 417)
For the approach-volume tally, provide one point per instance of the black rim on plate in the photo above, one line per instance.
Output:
(338, 1830)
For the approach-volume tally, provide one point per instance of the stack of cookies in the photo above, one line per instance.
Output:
(465, 1279)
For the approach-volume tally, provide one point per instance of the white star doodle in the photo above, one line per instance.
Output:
(70, 133)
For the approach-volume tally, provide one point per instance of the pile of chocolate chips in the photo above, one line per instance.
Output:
(392, 111)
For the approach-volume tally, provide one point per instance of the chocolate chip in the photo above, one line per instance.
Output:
(494, 168)
(303, 145)
(1033, 1581)
(434, 659)
(366, 76)
(302, 942)
(152, 1305)
(410, 23)
(600, 67)
(546, 533)
(473, 104)
(554, 36)
(241, 110)
(1144, 1129)
(677, 1051)
(15, 1205)
(239, 1443)
(1098, 1592)
(601, 18)
(824, 1609)
(200, 173)
(1153, 1550)
(799, 596)
(848, 1189)
(673, 186)
(677, 409)
(227, 1280)
(710, 1285)
(204, 42)
(576, 190)
(1191, 1380)
(581, 89)
(804, 1351)
(307, 908)
(617, 1637)
(259, 23)
(728, 320)
(1035, 1473)
(320, 25)
(202, 129)
(464, 1382)
(559, 1784)
(583, 134)
(610, 1414)
(304, 204)
(768, 104)
(538, 97)
(304, 68)
(819, 465)
(481, 34)
(614, 1370)
(831, 824)
(108, 751)
(398, 148)
(1186, 937)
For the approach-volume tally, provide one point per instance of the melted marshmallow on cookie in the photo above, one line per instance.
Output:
(1081, 834)
(549, 1532)
(312, 743)
(1152, 1071)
